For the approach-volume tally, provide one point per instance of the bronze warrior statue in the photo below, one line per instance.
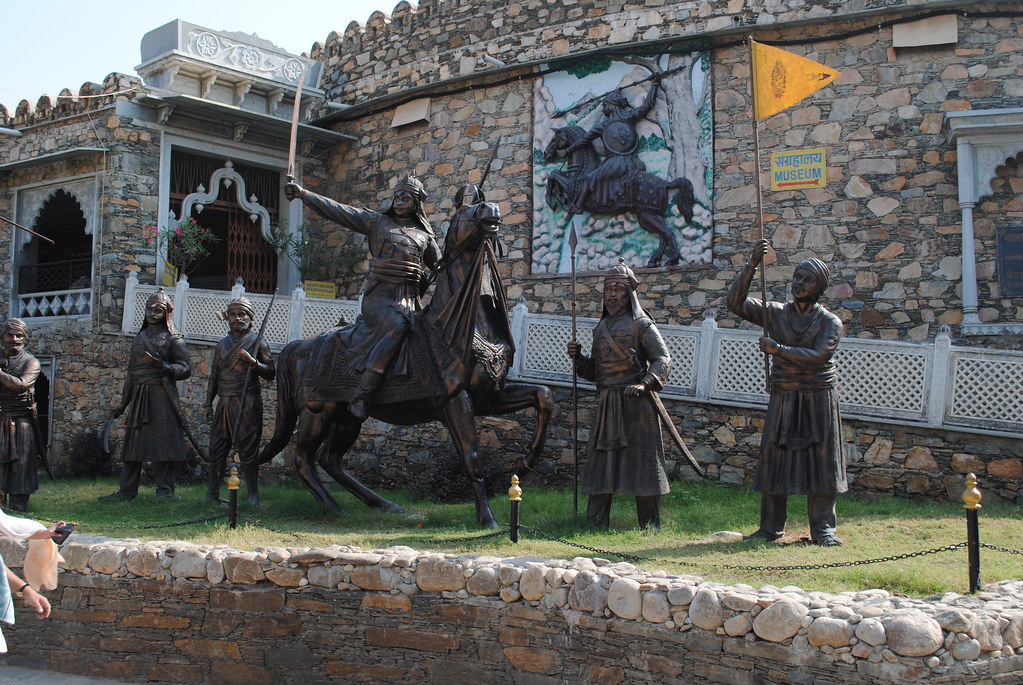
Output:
(240, 359)
(629, 361)
(154, 428)
(402, 248)
(21, 438)
(459, 349)
(801, 448)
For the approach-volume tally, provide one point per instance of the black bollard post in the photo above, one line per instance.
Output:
(232, 496)
(972, 498)
(515, 496)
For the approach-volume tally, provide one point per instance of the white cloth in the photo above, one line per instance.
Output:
(40, 567)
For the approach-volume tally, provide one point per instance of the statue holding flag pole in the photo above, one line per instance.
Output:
(801, 447)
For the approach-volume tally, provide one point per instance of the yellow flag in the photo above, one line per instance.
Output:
(781, 79)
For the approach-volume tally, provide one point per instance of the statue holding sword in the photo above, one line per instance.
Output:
(155, 428)
(20, 437)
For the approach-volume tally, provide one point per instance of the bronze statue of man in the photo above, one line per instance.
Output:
(801, 448)
(18, 427)
(240, 359)
(403, 249)
(153, 430)
(610, 184)
(628, 361)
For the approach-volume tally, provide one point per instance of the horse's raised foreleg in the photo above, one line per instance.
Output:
(517, 396)
(461, 422)
(344, 436)
(312, 427)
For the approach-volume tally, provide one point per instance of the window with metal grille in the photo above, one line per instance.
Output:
(241, 250)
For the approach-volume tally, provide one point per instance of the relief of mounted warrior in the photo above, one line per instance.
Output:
(620, 183)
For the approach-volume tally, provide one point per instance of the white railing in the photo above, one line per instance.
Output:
(293, 317)
(935, 384)
(63, 303)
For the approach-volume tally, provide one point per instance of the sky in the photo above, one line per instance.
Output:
(48, 46)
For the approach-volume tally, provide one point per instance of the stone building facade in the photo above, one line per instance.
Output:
(899, 198)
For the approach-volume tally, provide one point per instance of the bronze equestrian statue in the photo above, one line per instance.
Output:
(457, 354)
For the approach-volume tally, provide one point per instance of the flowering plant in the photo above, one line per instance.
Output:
(186, 242)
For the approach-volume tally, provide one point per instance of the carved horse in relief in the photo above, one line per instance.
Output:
(648, 197)
(464, 333)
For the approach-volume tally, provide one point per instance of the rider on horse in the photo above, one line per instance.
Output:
(610, 184)
(402, 248)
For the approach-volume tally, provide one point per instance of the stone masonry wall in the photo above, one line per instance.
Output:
(176, 612)
(888, 221)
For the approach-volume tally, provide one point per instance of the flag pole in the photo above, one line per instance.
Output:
(760, 206)
(573, 241)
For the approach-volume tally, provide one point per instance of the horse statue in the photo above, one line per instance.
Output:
(648, 197)
(459, 353)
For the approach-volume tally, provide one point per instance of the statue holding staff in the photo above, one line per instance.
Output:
(240, 359)
(801, 448)
(629, 362)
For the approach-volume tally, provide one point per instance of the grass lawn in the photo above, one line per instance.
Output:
(686, 543)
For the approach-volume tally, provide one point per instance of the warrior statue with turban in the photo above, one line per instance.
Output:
(152, 428)
(628, 361)
(403, 250)
(18, 441)
(240, 359)
(801, 449)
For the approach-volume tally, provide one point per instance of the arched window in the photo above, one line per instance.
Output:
(55, 279)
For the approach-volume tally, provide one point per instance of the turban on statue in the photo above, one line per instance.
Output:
(821, 272)
(243, 303)
(16, 325)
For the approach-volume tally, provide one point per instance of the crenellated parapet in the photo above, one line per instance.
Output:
(89, 97)
(444, 39)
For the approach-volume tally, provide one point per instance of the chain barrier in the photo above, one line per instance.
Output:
(840, 564)
(177, 525)
(262, 525)
(601, 552)
(469, 538)
(1001, 549)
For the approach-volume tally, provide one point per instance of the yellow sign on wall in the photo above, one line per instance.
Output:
(325, 290)
(799, 169)
(170, 275)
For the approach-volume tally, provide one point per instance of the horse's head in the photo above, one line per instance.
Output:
(559, 144)
(487, 216)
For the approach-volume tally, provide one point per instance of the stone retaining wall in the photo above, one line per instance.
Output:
(176, 612)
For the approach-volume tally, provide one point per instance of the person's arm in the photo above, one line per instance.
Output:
(265, 361)
(23, 382)
(648, 103)
(655, 351)
(178, 364)
(584, 365)
(738, 300)
(825, 344)
(33, 599)
(213, 385)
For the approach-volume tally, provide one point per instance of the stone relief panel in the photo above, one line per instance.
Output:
(622, 151)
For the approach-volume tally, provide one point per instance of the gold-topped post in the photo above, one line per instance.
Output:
(232, 496)
(515, 495)
(972, 497)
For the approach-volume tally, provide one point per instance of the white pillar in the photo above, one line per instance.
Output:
(705, 354)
